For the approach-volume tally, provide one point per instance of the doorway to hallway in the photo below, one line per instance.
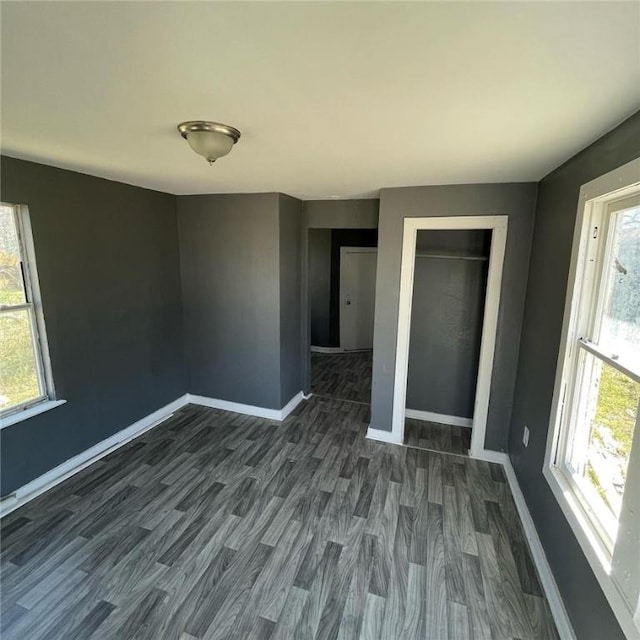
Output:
(341, 285)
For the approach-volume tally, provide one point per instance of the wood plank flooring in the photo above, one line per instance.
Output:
(437, 437)
(217, 525)
(345, 376)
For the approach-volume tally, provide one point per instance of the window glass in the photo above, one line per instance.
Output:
(11, 284)
(19, 377)
(620, 330)
(601, 447)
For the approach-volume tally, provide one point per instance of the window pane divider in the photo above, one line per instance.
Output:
(614, 362)
(16, 307)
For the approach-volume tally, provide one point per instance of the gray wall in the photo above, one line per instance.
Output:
(238, 252)
(290, 298)
(320, 286)
(229, 252)
(515, 200)
(341, 214)
(546, 291)
(446, 322)
(108, 263)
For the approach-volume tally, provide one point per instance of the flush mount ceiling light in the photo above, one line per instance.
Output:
(210, 139)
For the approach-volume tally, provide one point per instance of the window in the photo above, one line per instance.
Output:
(25, 378)
(593, 454)
(604, 385)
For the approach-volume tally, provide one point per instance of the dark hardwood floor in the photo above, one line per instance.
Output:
(218, 525)
(345, 376)
(437, 437)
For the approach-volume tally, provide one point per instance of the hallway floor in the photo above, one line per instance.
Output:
(344, 376)
(218, 525)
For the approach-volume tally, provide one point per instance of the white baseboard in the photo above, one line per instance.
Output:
(560, 616)
(248, 409)
(70, 467)
(336, 350)
(497, 457)
(292, 404)
(442, 418)
(382, 436)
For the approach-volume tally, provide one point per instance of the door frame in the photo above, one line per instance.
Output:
(343, 250)
(498, 226)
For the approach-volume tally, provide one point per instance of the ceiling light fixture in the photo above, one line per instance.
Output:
(210, 139)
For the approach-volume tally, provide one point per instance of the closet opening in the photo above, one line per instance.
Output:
(342, 281)
(449, 287)
(449, 297)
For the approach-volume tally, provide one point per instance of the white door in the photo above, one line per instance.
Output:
(357, 296)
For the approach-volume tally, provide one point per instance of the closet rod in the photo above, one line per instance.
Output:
(450, 256)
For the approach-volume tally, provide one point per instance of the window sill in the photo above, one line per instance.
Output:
(25, 414)
(593, 549)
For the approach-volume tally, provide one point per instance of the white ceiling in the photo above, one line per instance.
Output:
(333, 99)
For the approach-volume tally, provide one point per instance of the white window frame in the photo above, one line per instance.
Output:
(611, 563)
(33, 304)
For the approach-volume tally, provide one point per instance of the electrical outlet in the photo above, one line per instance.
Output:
(525, 437)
